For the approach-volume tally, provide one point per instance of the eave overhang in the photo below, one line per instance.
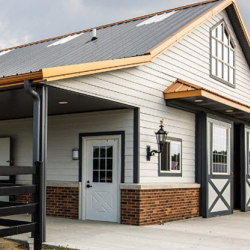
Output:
(193, 98)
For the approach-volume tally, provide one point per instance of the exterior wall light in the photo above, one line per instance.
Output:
(75, 154)
(161, 137)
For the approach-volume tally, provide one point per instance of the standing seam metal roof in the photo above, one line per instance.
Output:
(114, 42)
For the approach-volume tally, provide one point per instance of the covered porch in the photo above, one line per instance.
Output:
(68, 118)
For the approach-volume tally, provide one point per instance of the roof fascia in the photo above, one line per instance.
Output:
(243, 27)
(170, 41)
(17, 80)
(63, 72)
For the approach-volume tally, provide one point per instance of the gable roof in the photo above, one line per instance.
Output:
(119, 45)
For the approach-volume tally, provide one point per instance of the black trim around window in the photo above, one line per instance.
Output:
(170, 173)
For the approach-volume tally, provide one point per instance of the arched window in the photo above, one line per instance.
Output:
(222, 54)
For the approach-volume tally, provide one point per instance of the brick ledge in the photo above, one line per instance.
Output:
(148, 186)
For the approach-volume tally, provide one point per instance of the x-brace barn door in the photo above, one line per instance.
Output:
(219, 172)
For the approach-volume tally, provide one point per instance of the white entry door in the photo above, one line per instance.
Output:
(102, 180)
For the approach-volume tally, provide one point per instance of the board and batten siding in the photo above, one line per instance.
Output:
(63, 136)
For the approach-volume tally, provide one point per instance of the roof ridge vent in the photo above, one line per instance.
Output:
(94, 36)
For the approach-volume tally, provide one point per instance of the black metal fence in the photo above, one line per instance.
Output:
(9, 227)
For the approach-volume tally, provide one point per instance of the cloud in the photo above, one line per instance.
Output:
(74, 7)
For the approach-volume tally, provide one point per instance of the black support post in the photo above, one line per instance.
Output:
(136, 152)
(38, 214)
(201, 159)
(43, 94)
(40, 113)
(242, 163)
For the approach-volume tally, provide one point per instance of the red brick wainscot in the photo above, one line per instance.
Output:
(150, 204)
(62, 200)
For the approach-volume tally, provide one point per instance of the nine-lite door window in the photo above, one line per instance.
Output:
(222, 54)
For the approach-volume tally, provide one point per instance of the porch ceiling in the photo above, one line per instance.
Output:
(16, 103)
(194, 98)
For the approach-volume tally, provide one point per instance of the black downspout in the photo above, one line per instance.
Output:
(37, 198)
(36, 120)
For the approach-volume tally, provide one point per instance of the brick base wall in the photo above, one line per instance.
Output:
(148, 207)
(138, 207)
(61, 201)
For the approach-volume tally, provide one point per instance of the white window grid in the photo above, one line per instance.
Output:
(222, 54)
(223, 143)
(170, 158)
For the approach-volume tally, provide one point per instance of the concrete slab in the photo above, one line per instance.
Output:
(225, 232)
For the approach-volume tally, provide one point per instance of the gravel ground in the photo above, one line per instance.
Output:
(11, 245)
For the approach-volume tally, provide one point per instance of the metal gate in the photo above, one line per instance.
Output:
(10, 227)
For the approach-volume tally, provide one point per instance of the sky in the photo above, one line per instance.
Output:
(24, 21)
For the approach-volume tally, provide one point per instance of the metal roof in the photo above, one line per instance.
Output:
(120, 40)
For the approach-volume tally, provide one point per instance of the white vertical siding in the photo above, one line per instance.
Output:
(63, 136)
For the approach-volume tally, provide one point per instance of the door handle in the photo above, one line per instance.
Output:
(88, 186)
(9, 161)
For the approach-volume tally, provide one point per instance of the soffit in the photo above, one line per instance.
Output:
(16, 104)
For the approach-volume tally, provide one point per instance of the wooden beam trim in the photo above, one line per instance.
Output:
(17, 80)
(208, 95)
(50, 74)
(184, 94)
(225, 101)
(170, 41)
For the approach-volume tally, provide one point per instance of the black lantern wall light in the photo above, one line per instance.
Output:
(161, 137)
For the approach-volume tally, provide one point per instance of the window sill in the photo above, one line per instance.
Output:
(170, 174)
(223, 81)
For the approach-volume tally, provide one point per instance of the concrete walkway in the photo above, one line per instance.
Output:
(225, 232)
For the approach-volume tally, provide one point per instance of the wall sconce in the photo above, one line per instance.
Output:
(161, 137)
(75, 154)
